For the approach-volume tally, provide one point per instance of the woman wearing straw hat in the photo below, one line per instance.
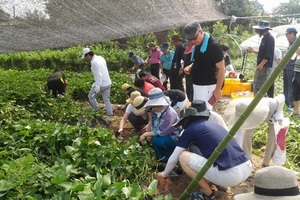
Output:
(230, 168)
(268, 109)
(159, 128)
(137, 121)
(273, 182)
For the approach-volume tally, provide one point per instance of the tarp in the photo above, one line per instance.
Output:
(41, 24)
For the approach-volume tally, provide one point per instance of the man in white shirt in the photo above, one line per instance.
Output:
(276, 60)
(102, 80)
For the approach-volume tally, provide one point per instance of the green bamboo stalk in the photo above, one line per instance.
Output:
(241, 120)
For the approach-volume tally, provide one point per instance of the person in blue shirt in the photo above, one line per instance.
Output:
(230, 168)
(166, 62)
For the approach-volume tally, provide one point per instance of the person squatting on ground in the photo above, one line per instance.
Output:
(143, 85)
(178, 99)
(102, 83)
(265, 55)
(177, 68)
(154, 59)
(151, 79)
(57, 82)
(200, 106)
(159, 128)
(268, 109)
(138, 121)
(138, 62)
(274, 182)
(230, 168)
(166, 62)
(208, 68)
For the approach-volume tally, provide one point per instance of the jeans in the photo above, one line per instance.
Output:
(288, 87)
(105, 92)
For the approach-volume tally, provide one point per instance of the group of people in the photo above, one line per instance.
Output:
(190, 135)
(268, 57)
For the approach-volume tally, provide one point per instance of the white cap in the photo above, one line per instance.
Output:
(85, 51)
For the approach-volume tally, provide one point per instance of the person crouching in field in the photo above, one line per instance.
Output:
(57, 82)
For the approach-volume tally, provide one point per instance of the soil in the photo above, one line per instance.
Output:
(178, 184)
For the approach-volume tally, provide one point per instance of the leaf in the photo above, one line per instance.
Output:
(59, 177)
(5, 185)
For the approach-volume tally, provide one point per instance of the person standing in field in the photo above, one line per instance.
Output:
(166, 62)
(177, 68)
(102, 83)
(265, 55)
(208, 67)
(154, 59)
(57, 82)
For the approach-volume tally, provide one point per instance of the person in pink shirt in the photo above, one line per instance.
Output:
(146, 87)
(154, 59)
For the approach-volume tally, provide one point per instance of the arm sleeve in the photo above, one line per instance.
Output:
(97, 74)
(172, 161)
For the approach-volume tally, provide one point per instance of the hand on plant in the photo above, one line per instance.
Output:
(163, 181)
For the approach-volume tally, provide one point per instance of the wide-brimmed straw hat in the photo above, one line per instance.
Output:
(139, 104)
(190, 112)
(236, 107)
(133, 95)
(125, 86)
(274, 182)
(156, 97)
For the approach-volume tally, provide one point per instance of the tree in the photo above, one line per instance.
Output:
(239, 8)
(290, 10)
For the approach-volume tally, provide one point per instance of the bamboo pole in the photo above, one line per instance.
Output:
(241, 120)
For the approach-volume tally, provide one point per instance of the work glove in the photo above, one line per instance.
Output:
(119, 133)
(97, 89)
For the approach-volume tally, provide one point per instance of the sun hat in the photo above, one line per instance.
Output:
(133, 95)
(139, 103)
(85, 51)
(151, 44)
(262, 25)
(201, 108)
(125, 86)
(236, 107)
(131, 54)
(274, 182)
(156, 97)
(190, 30)
(164, 46)
(291, 30)
(188, 112)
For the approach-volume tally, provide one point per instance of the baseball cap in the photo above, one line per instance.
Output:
(190, 30)
(131, 54)
(85, 51)
(291, 30)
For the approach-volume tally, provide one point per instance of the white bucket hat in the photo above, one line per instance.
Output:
(274, 182)
(236, 107)
(156, 97)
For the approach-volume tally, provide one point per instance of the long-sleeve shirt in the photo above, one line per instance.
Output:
(100, 71)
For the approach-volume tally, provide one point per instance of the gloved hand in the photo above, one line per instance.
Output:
(97, 89)
(119, 133)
